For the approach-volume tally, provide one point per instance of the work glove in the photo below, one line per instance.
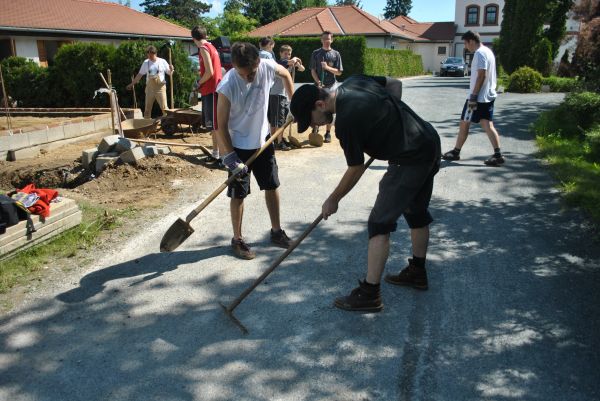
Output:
(472, 102)
(234, 164)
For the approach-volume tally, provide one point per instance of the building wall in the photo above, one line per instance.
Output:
(430, 56)
(374, 42)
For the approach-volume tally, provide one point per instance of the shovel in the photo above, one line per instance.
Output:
(181, 229)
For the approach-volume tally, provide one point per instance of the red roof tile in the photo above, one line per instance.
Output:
(351, 20)
(85, 16)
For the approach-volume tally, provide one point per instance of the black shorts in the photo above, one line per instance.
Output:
(209, 110)
(264, 169)
(403, 190)
(484, 111)
(278, 110)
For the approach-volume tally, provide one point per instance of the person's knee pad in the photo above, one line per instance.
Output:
(419, 219)
(380, 228)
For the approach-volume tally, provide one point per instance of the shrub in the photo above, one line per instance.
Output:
(26, 82)
(592, 137)
(525, 80)
(543, 56)
(558, 84)
(394, 63)
(580, 111)
(76, 69)
(585, 106)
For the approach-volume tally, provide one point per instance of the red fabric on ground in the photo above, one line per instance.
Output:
(42, 206)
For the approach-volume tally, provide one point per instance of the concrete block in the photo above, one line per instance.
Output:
(18, 141)
(101, 124)
(133, 156)
(25, 153)
(87, 127)
(56, 134)
(72, 130)
(87, 156)
(108, 143)
(37, 137)
(154, 150)
(102, 161)
(124, 144)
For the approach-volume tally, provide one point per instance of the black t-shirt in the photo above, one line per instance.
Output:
(369, 120)
(333, 59)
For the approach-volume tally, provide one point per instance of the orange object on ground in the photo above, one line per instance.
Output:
(42, 206)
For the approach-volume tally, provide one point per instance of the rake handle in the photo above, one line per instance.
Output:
(224, 185)
(280, 259)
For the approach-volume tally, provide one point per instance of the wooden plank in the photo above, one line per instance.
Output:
(43, 234)
(22, 231)
(65, 204)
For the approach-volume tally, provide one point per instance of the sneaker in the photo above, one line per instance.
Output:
(241, 249)
(451, 155)
(280, 239)
(494, 161)
(327, 138)
(282, 146)
(362, 298)
(410, 276)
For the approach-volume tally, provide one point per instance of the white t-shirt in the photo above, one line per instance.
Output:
(248, 124)
(152, 68)
(484, 60)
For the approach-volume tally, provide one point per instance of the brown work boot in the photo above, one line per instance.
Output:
(241, 249)
(364, 298)
(280, 239)
(410, 276)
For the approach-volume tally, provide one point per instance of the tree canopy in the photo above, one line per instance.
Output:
(395, 8)
(185, 12)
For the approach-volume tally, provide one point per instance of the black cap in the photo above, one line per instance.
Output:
(302, 104)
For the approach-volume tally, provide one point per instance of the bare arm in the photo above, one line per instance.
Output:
(348, 181)
(315, 77)
(481, 75)
(285, 76)
(223, 138)
(332, 70)
(209, 69)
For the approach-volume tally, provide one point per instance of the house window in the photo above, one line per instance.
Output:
(441, 50)
(491, 15)
(472, 15)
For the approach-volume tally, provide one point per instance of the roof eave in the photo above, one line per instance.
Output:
(89, 33)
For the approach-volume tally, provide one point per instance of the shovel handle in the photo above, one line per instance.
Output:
(224, 185)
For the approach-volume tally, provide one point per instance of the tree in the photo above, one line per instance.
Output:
(586, 61)
(300, 4)
(233, 23)
(265, 11)
(356, 3)
(395, 8)
(186, 12)
(523, 29)
(558, 24)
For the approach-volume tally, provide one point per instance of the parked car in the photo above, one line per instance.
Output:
(454, 66)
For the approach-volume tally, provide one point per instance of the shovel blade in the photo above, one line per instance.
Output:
(175, 235)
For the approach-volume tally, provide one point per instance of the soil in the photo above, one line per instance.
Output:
(25, 121)
(118, 186)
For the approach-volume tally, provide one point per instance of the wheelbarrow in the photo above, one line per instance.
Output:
(172, 122)
(137, 128)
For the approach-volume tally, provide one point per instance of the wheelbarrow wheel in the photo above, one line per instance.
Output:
(169, 128)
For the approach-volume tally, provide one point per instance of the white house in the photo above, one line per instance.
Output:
(485, 17)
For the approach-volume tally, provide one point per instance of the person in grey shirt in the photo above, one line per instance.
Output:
(325, 66)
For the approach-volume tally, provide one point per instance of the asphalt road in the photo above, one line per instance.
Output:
(511, 314)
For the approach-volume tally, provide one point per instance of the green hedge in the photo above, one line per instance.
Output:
(356, 57)
(74, 75)
(351, 49)
(579, 112)
(559, 84)
(393, 63)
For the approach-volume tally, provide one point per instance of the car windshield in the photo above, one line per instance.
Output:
(454, 60)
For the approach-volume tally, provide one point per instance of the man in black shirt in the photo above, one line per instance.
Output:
(371, 119)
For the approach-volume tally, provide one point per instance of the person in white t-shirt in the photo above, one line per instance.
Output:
(242, 129)
(479, 106)
(155, 69)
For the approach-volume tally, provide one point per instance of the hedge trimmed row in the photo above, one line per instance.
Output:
(356, 57)
(393, 63)
(74, 75)
(528, 80)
